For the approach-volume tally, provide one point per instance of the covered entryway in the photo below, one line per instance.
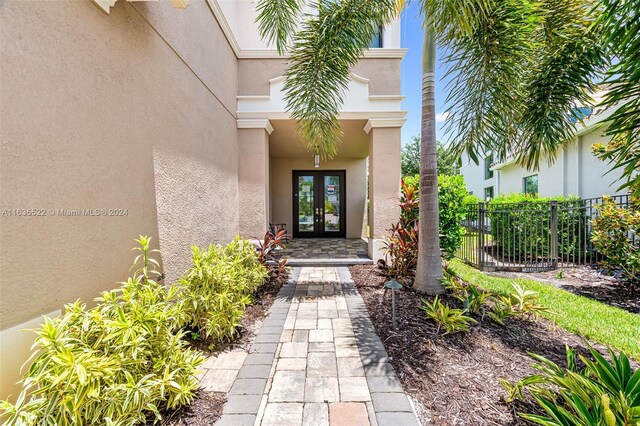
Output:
(319, 208)
(353, 195)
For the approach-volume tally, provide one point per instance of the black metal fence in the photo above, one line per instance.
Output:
(530, 237)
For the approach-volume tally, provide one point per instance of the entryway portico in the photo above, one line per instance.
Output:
(353, 195)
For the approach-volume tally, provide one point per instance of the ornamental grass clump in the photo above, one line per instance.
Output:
(219, 286)
(118, 363)
(601, 392)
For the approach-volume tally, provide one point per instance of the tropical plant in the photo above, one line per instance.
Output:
(402, 243)
(520, 302)
(452, 193)
(616, 235)
(218, 287)
(603, 393)
(451, 320)
(116, 363)
(621, 28)
(474, 298)
(271, 243)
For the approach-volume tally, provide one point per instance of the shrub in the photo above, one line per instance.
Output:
(521, 226)
(452, 194)
(616, 235)
(601, 393)
(218, 287)
(402, 244)
(112, 364)
(450, 319)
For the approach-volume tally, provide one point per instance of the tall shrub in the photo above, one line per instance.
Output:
(521, 226)
(113, 364)
(616, 235)
(402, 244)
(218, 287)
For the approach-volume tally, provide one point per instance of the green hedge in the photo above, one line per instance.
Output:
(452, 198)
(521, 226)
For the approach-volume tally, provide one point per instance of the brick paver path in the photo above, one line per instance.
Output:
(317, 361)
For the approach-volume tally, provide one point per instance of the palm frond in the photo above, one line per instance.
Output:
(571, 60)
(323, 51)
(277, 20)
(488, 67)
(621, 22)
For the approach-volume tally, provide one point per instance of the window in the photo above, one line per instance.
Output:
(488, 193)
(488, 173)
(530, 185)
(377, 39)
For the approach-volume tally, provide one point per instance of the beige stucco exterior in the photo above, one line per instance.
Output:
(139, 111)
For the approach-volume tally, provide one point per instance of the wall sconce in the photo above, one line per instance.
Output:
(316, 161)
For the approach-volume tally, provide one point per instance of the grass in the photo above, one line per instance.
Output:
(589, 318)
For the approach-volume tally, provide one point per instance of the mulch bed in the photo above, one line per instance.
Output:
(206, 408)
(589, 281)
(455, 378)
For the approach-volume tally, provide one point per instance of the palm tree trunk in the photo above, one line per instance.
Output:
(429, 269)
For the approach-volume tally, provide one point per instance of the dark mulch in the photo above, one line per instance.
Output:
(455, 378)
(589, 281)
(206, 408)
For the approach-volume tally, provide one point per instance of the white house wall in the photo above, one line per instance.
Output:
(576, 171)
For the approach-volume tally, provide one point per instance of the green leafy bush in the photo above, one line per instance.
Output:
(521, 226)
(451, 320)
(602, 393)
(614, 231)
(218, 287)
(452, 193)
(113, 364)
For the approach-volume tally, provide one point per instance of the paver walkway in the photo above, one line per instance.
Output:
(317, 361)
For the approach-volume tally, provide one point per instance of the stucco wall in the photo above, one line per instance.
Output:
(254, 75)
(282, 187)
(132, 110)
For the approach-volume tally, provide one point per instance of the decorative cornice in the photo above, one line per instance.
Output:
(382, 53)
(386, 97)
(386, 122)
(255, 123)
(394, 118)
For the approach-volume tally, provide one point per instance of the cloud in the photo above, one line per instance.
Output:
(441, 117)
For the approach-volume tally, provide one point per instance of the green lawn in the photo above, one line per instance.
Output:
(589, 318)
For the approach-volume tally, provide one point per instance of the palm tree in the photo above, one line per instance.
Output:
(519, 68)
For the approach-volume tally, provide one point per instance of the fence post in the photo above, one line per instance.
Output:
(554, 234)
(480, 243)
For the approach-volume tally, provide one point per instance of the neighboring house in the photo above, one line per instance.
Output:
(173, 121)
(575, 171)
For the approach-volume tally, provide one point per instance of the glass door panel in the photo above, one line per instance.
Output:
(331, 197)
(306, 204)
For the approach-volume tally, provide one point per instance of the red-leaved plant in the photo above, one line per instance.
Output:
(267, 256)
(402, 243)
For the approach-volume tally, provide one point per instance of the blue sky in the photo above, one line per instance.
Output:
(412, 76)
